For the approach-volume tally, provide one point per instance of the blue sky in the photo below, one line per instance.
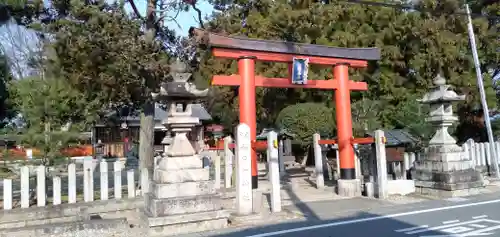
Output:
(185, 19)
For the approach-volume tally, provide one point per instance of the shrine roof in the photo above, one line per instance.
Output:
(242, 43)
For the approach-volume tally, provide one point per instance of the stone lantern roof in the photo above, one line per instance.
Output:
(180, 88)
(441, 93)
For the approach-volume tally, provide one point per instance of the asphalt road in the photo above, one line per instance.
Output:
(458, 217)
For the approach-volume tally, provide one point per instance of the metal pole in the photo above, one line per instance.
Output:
(481, 92)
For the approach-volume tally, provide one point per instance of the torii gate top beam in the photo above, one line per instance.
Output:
(279, 51)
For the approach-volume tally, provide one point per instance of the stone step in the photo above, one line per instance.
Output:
(27, 223)
(101, 228)
(186, 223)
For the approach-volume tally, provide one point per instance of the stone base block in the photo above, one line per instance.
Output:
(181, 176)
(349, 188)
(177, 163)
(161, 190)
(181, 205)
(447, 180)
(186, 223)
(449, 186)
(446, 193)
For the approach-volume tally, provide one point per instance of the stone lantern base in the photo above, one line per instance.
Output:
(182, 199)
(446, 171)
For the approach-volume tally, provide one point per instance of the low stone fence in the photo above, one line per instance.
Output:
(479, 152)
(85, 182)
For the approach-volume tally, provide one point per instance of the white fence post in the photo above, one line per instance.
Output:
(25, 187)
(118, 179)
(144, 181)
(482, 153)
(318, 162)
(103, 168)
(217, 171)
(88, 180)
(487, 154)
(497, 144)
(40, 185)
(281, 158)
(381, 164)
(244, 198)
(228, 163)
(274, 171)
(130, 183)
(7, 194)
(56, 190)
(71, 183)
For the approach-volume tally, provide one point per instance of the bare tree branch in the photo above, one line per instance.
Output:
(200, 17)
(134, 8)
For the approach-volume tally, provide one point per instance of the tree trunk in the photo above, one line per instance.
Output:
(146, 137)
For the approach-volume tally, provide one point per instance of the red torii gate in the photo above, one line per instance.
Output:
(247, 51)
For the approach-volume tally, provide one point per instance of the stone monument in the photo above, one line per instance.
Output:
(182, 198)
(444, 168)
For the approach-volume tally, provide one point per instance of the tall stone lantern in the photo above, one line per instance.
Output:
(444, 168)
(182, 197)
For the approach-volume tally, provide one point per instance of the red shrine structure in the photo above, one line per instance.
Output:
(248, 51)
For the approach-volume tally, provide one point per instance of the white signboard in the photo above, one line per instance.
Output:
(243, 170)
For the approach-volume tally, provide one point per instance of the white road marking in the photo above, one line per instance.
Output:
(449, 222)
(481, 232)
(478, 225)
(441, 227)
(412, 228)
(458, 229)
(479, 217)
(367, 219)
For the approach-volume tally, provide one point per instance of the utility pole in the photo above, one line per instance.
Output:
(480, 85)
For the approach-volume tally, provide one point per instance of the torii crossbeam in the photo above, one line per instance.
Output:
(248, 51)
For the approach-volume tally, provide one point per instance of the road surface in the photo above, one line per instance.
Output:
(456, 217)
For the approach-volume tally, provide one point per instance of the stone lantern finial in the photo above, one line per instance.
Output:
(439, 80)
(178, 71)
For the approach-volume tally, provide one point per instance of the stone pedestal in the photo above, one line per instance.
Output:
(182, 198)
(349, 187)
(446, 171)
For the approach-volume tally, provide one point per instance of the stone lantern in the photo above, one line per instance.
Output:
(444, 168)
(182, 197)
